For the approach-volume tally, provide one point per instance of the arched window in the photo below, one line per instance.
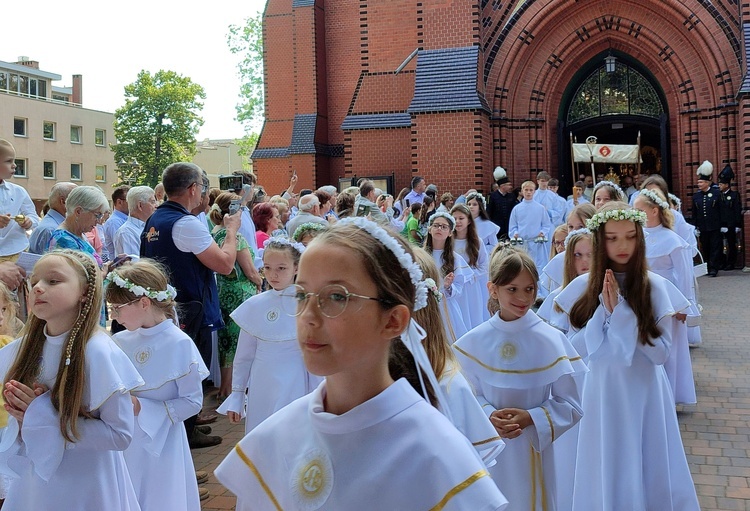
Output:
(623, 92)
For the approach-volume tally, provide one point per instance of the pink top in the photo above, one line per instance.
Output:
(260, 238)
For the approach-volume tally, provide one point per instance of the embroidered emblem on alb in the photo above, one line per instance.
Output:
(312, 480)
(508, 351)
(142, 355)
(272, 315)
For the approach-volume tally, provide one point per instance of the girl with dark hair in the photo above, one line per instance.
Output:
(356, 291)
(486, 229)
(630, 455)
(467, 244)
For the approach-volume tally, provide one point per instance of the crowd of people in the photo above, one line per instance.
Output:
(518, 351)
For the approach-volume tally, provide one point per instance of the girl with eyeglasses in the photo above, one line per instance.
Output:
(455, 273)
(171, 366)
(365, 439)
(268, 372)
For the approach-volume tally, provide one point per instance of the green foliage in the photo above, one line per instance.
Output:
(247, 41)
(157, 125)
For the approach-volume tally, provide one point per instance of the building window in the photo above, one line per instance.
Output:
(101, 173)
(75, 171)
(49, 130)
(20, 168)
(3, 81)
(100, 137)
(19, 127)
(75, 134)
(49, 170)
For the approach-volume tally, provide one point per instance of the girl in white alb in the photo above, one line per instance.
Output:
(67, 390)
(630, 453)
(361, 440)
(456, 274)
(486, 229)
(552, 273)
(158, 458)
(669, 255)
(268, 371)
(523, 372)
(467, 244)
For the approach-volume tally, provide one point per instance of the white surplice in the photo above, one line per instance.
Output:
(393, 452)
(158, 458)
(525, 364)
(268, 372)
(476, 291)
(487, 231)
(87, 475)
(630, 453)
(551, 275)
(455, 306)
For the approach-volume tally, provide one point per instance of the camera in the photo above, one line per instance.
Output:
(230, 183)
(234, 206)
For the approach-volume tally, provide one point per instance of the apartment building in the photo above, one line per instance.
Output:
(56, 139)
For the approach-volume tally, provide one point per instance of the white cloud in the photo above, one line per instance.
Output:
(109, 43)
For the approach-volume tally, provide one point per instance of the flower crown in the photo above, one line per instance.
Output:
(576, 232)
(478, 196)
(284, 241)
(433, 289)
(303, 229)
(443, 214)
(404, 259)
(121, 282)
(653, 197)
(617, 188)
(676, 200)
(617, 215)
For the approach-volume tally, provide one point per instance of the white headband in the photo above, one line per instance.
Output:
(676, 199)
(282, 240)
(655, 198)
(576, 232)
(443, 214)
(600, 184)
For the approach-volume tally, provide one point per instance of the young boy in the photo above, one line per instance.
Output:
(17, 212)
(530, 222)
(549, 200)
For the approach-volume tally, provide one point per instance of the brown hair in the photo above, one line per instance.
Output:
(344, 205)
(222, 202)
(583, 211)
(569, 265)
(472, 238)
(507, 263)
(394, 287)
(658, 181)
(449, 260)
(560, 228)
(482, 210)
(67, 392)
(637, 288)
(146, 273)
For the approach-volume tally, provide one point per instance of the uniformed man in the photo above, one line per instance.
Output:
(502, 202)
(731, 216)
(707, 217)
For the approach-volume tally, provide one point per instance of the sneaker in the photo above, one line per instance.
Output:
(200, 440)
(203, 493)
(206, 430)
(201, 476)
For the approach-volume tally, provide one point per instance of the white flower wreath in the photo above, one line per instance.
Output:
(283, 240)
(443, 214)
(613, 185)
(479, 197)
(576, 232)
(655, 198)
(676, 200)
(617, 215)
(404, 259)
(121, 282)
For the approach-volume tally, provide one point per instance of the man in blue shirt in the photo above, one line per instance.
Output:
(416, 195)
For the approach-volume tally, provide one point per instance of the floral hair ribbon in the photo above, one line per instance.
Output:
(617, 215)
(575, 233)
(284, 241)
(478, 196)
(617, 188)
(653, 197)
(121, 282)
(443, 214)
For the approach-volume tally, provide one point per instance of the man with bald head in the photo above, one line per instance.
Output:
(39, 241)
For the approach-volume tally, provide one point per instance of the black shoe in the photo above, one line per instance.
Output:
(200, 440)
(728, 268)
(206, 430)
(713, 273)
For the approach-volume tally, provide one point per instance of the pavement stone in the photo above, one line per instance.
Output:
(715, 432)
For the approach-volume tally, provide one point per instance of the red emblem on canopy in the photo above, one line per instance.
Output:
(605, 151)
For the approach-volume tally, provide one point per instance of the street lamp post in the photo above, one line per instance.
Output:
(128, 170)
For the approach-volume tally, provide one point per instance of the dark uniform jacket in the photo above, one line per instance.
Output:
(706, 209)
(730, 209)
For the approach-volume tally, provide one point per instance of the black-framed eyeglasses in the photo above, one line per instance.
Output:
(98, 216)
(558, 243)
(332, 300)
(114, 310)
(204, 187)
(442, 227)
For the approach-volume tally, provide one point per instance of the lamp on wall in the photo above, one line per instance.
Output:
(609, 62)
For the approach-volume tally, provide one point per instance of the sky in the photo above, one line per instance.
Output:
(109, 43)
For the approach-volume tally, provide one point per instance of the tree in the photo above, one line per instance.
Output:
(247, 41)
(157, 125)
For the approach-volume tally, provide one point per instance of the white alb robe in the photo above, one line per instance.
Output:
(555, 206)
(394, 451)
(89, 475)
(476, 291)
(527, 220)
(158, 458)
(630, 453)
(487, 231)
(529, 365)
(551, 275)
(455, 304)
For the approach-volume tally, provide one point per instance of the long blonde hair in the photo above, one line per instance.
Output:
(67, 392)
(11, 307)
(436, 343)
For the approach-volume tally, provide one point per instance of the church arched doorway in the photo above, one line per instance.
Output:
(615, 101)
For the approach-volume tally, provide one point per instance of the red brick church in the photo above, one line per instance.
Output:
(449, 89)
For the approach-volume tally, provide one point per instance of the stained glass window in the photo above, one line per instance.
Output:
(625, 91)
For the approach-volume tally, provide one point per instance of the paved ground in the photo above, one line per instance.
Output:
(716, 431)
